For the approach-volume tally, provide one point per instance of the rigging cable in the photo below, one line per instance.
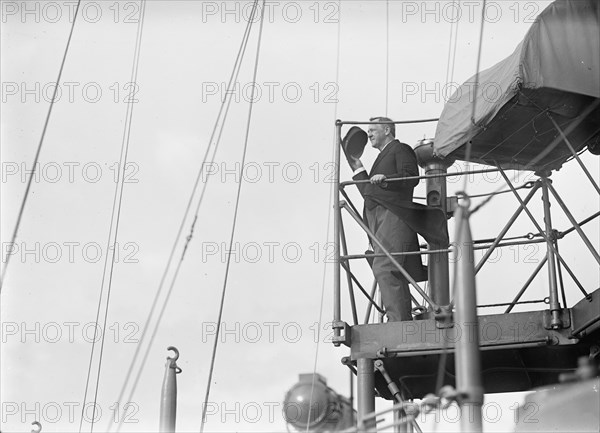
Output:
(117, 202)
(475, 89)
(328, 230)
(235, 214)
(452, 45)
(387, 54)
(449, 48)
(39, 148)
(219, 123)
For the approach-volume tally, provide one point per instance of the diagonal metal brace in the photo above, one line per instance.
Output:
(535, 223)
(435, 307)
(394, 390)
(508, 225)
(575, 155)
(565, 209)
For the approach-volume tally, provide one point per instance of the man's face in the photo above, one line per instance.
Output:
(378, 135)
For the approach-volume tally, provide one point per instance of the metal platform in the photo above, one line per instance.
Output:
(519, 351)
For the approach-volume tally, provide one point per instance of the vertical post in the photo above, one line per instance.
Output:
(337, 307)
(554, 305)
(396, 419)
(344, 248)
(468, 362)
(168, 399)
(351, 398)
(365, 387)
(436, 196)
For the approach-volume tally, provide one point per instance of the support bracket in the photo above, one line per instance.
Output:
(564, 315)
(345, 336)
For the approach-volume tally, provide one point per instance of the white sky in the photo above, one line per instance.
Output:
(188, 49)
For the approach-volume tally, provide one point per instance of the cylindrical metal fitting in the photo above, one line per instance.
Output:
(436, 197)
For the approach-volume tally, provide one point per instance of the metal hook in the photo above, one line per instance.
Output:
(38, 426)
(173, 361)
(174, 349)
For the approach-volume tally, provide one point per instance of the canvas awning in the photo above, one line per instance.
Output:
(554, 73)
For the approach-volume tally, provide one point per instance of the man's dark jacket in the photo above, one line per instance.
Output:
(399, 160)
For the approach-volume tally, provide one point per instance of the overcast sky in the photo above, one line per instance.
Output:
(271, 314)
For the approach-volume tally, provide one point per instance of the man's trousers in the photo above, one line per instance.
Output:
(396, 236)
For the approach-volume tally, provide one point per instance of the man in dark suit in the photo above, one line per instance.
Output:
(392, 216)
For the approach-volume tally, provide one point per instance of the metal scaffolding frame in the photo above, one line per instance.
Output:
(548, 235)
(470, 390)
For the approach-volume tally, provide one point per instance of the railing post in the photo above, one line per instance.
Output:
(468, 362)
(555, 321)
(337, 307)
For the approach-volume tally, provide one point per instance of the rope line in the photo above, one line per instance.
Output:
(235, 215)
(475, 89)
(39, 148)
(328, 230)
(387, 56)
(117, 202)
(455, 44)
(219, 122)
(491, 195)
(452, 46)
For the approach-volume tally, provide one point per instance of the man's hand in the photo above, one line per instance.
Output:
(377, 179)
(354, 162)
